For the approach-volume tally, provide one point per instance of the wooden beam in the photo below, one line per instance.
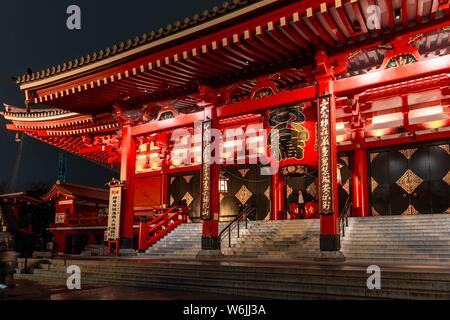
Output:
(378, 78)
(258, 105)
(180, 121)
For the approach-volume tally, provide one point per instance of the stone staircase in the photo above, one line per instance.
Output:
(185, 240)
(278, 240)
(253, 280)
(262, 239)
(420, 238)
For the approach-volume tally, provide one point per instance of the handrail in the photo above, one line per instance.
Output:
(153, 231)
(156, 222)
(345, 215)
(246, 211)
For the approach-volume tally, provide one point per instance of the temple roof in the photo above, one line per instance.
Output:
(161, 34)
(242, 41)
(78, 192)
(21, 196)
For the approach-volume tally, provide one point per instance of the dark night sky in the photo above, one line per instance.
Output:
(33, 35)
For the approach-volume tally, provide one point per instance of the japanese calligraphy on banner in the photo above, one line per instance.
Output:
(206, 172)
(115, 200)
(325, 156)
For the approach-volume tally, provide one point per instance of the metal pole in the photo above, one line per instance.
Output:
(239, 222)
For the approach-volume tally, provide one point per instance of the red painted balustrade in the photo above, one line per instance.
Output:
(167, 220)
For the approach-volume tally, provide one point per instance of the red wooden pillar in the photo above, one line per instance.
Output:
(127, 175)
(277, 193)
(210, 230)
(328, 185)
(165, 185)
(360, 177)
(91, 238)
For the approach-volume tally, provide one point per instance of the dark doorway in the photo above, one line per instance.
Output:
(410, 181)
(77, 243)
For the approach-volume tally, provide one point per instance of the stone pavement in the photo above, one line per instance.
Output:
(28, 290)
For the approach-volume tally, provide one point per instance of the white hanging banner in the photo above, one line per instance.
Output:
(325, 156)
(115, 201)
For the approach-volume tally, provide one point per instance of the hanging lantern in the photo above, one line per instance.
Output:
(223, 184)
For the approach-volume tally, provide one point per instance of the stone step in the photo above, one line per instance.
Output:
(341, 283)
(180, 267)
(249, 277)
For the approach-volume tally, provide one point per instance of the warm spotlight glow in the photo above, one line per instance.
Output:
(426, 112)
(380, 132)
(340, 138)
(340, 125)
(436, 124)
(387, 118)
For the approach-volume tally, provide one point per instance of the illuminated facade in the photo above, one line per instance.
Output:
(359, 101)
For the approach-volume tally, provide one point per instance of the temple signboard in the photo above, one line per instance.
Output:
(325, 156)
(60, 218)
(115, 199)
(206, 172)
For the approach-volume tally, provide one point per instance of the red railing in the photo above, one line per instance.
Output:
(168, 219)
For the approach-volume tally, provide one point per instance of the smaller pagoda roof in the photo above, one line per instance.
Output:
(21, 114)
(79, 192)
(21, 196)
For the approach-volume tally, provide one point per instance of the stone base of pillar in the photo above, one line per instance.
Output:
(127, 252)
(209, 254)
(210, 243)
(210, 248)
(330, 242)
(126, 247)
(330, 256)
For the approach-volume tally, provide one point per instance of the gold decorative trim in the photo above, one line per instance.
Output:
(410, 211)
(446, 147)
(346, 187)
(409, 181)
(447, 178)
(188, 179)
(373, 156)
(243, 194)
(345, 159)
(243, 172)
(267, 193)
(289, 191)
(375, 213)
(221, 197)
(172, 200)
(373, 184)
(408, 153)
(188, 197)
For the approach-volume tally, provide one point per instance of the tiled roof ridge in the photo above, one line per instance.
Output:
(148, 37)
(68, 184)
